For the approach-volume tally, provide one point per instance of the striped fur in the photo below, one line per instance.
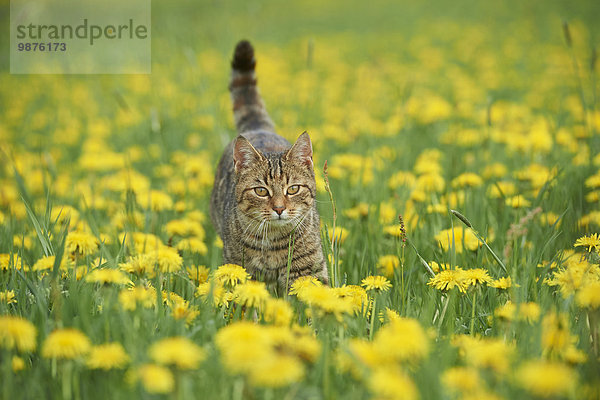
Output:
(257, 230)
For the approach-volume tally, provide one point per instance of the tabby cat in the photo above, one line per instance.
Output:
(263, 197)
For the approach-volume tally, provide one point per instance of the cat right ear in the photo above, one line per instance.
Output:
(244, 154)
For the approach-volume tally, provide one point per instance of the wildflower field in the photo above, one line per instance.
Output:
(459, 206)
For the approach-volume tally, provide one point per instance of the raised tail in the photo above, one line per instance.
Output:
(248, 108)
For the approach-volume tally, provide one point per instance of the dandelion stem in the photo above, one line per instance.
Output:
(238, 389)
(326, 384)
(473, 311)
(373, 313)
(593, 322)
(67, 370)
(444, 312)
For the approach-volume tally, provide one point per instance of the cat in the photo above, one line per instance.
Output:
(263, 200)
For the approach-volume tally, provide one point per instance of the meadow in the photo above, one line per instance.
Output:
(457, 154)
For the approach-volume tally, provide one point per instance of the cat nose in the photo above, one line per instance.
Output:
(278, 209)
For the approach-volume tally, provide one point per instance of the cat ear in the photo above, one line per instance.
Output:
(302, 150)
(244, 154)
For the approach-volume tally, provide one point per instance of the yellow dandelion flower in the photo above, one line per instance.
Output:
(592, 218)
(377, 283)
(8, 297)
(501, 283)
(496, 170)
(437, 209)
(461, 238)
(178, 351)
(507, 311)
(476, 276)
(462, 379)
(546, 378)
(403, 339)
(388, 315)
(387, 212)
(22, 242)
(108, 275)
(251, 294)
(361, 210)
(341, 234)
(141, 242)
(107, 356)
(66, 344)
(81, 243)
(573, 355)
(402, 178)
(325, 300)
(490, 353)
(393, 230)
(193, 245)
(355, 295)
(387, 264)
(392, 383)
(219, 295)
(593, 181)
(449, 279)
(185, 227)
(278, 370)
(592, 241)
(17, 332)
(181, 309)
(11, 261)
(231, 274)
(198, 274)
(166, 259)
(155, 378)
(589, 295)
(518, 201)
(430, 183)
(46, 263)
(467, 179)
(241, 344)
(556, 337)
(278, 312)
(591, 197)
(17, 364)
(578, 272)
(305, 345)
(131, 297)
(367, 355)
(140, 264)
(501, 189)
(302, 283)
(529, 312)
(155, 200)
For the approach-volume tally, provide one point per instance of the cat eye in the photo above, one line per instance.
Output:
(293, 189)
(261, 191)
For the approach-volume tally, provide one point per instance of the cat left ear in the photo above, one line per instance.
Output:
(302, 150)
(244, 154)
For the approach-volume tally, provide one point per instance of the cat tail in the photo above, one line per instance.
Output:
(249, 110)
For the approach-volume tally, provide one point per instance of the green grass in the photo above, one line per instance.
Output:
(377, 86)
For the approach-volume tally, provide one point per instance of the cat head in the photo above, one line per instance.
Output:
(278, 188)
